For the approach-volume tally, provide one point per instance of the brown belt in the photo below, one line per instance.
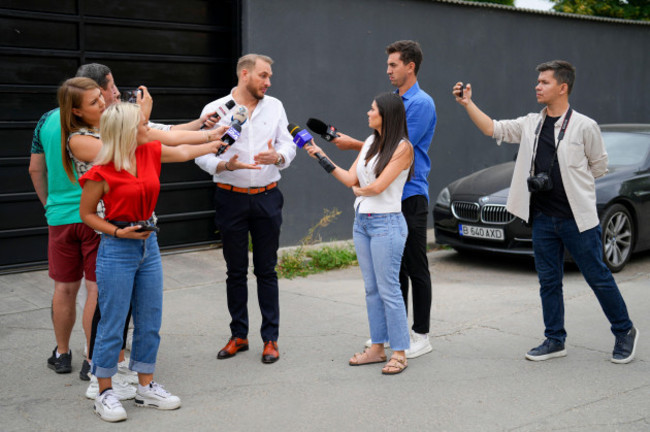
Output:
(249, 191)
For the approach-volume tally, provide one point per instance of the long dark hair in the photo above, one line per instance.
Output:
(393, 131)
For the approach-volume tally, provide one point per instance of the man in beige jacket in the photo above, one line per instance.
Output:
(561, 153)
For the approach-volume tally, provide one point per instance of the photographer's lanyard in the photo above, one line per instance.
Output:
(565, 123)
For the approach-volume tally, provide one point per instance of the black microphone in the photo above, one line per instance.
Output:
(222, 110)
(327, 132)
(230, 137)
(302, 138)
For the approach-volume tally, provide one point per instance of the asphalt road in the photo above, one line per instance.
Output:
(486, 314)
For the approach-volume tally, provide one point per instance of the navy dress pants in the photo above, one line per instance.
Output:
(237, 215)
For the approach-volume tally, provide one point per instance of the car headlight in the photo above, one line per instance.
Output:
(444, 198)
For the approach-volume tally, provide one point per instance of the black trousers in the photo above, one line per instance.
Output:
(415, 265)
(237, 215)
(93, 332)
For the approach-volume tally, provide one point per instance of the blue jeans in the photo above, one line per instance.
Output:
(129, 274)
(550, 236)
(379, 240)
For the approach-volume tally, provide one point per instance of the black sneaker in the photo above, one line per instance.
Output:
(625, 347)
(550, 348)
(85, 370)
(60, 365)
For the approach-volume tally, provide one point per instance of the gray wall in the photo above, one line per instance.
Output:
(330, 62)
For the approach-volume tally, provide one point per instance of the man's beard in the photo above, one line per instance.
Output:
(254, 91)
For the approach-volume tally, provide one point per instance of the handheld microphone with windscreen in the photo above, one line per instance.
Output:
(239, 115)
(327, 132)
(232, 134)
(302, 138)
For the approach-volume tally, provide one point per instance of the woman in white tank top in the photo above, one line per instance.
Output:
(377, 178)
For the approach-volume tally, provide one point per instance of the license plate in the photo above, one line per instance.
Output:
(481, 232)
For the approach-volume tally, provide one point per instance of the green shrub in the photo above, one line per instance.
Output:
(301, 262)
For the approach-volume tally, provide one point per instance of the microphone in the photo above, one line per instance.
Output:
(302, 138)
(229, 138)
(327, 132)
(223, 110)
(239, 115)
(238, 119)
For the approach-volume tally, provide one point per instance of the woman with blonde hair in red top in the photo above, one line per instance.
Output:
(82, 104)
(126, 176)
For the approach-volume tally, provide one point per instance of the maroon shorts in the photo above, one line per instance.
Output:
(72, 252)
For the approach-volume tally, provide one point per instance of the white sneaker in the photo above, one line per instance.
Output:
(121, 389)
(93, 388)
(154, 395)
(420, 345)
(127, 374)
(108, 407)
(369, 344)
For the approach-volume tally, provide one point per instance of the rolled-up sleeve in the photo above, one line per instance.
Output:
(508, 130)
(208, 163)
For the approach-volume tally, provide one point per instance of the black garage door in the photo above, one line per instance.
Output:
(183, 51)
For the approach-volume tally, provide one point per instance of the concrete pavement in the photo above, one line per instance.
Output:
(486, 315)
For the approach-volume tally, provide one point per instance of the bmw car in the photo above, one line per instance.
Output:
(470, 213)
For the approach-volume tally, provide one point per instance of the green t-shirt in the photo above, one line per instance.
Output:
(63, 197)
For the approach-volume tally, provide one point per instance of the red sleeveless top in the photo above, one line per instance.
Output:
(130, 198)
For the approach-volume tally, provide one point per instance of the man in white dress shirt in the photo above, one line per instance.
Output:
(248, 200)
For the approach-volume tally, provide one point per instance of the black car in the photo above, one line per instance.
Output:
(470, 213)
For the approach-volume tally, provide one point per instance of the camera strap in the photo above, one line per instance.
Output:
(565, 123)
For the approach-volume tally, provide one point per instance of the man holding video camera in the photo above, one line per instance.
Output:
(561, 153)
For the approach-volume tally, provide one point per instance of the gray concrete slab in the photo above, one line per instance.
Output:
(485, 316)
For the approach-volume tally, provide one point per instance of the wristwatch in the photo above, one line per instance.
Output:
(280, 160)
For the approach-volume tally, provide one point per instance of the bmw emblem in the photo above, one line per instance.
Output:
(484, 199)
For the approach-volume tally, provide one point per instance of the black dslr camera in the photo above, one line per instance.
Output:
(131, 95)
(539, 183)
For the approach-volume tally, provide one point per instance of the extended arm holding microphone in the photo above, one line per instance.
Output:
(330, 134)
(348, 178)
(345, 142)
(221, 112)
(177, 137)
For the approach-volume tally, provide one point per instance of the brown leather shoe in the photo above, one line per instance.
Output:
(270, 353)
(233, 346)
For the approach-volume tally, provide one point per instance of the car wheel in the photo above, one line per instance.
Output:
(618, 237)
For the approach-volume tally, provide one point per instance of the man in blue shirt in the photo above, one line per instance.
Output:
(404, 59)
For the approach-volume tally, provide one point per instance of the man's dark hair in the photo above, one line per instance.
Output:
(563, 72)
(95, 71)
(409, 51)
